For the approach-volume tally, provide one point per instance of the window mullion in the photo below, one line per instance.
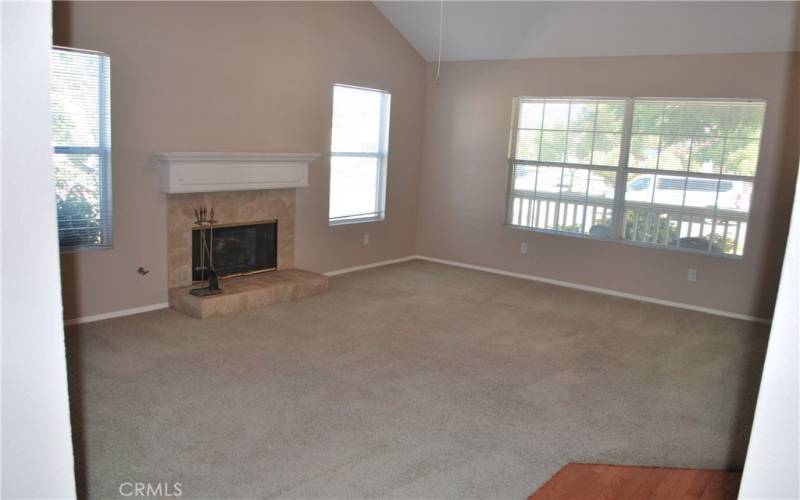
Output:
(557, 220)
(104, 180)
(622, 174)
(594, 132)
(541, 131)
(566, 165)
(512, 153)
(77, 150)
(683, 173)
(382, 160)
(356, 154)
(719, 184)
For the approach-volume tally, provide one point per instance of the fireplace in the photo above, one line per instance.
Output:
(236, 249)
(254, 231)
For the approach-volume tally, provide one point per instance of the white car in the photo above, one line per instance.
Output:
(692, 192)
(677, 191)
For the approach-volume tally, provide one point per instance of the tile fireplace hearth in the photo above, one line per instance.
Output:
(249, 292)
(249, 222)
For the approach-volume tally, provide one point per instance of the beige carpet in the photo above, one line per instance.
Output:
(416, 380)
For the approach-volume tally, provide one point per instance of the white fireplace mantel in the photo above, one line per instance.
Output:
(208, 172)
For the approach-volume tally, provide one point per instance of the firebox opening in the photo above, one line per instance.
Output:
(236, 249)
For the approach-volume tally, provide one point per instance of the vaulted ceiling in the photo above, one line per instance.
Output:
(511, 30)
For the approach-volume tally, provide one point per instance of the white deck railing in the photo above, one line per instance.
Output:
(644, 223)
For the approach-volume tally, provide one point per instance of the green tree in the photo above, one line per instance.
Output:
(75, 109)
(698, 137)
(78, 218)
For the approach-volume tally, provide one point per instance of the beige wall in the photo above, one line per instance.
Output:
(257, 77)
(464, 176)
(237, 77)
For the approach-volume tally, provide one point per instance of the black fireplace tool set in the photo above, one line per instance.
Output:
(205, 221)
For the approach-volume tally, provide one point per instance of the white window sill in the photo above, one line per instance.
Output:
(669, 248)
(360, 220)
(86, 248)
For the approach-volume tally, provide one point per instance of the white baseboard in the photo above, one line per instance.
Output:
(164, 305)
(529, 277)
(370, 266)
(115, 314)
(605, 291)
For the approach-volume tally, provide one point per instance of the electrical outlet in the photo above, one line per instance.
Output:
(523, 248)
(366, 239)
(692, 276)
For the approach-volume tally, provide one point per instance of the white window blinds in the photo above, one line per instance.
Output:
(566, 154)
(359, 150)
(664, 172)
(691, 169)
(81, 110)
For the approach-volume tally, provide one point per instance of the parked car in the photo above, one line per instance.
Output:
(699, 192)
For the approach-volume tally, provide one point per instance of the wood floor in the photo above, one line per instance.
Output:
(616, 482)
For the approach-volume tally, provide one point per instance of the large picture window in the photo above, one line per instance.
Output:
(672, 173)
(359, 152)
(81, 110)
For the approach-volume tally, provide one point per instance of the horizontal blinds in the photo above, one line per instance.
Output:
(357, 120)
(686, 182)
(711, 137)
(81, 111)
(692, 165)
(354, 187)
(566, 153)
(576, 131)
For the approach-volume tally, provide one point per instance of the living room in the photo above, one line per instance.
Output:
(399, 249)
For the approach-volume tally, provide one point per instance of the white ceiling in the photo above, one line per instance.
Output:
(512, 30)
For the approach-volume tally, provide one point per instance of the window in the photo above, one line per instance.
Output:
(690, 173)
(680, 172)
(359, 146)
(566, 155)
(81, 109)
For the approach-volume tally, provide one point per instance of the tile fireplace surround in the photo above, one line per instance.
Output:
(230, 207)
(245, 292)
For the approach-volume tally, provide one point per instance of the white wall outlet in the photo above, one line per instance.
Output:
(365, 240)
(523, 248)
(692, 276)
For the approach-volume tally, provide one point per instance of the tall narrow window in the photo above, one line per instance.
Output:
(359, 146)
(81, 109)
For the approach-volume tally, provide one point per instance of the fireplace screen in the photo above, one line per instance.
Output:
(235, 250)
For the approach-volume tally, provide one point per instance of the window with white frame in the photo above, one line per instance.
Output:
(81, 112)
(672, 173)
(359, 153)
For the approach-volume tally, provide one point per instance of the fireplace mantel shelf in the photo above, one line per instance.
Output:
(209, 172)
